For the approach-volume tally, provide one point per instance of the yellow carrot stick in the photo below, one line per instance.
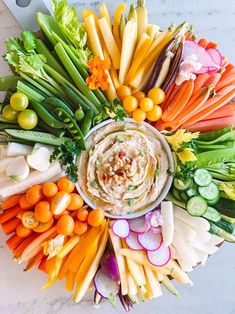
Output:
(68, 246)
(117, 15)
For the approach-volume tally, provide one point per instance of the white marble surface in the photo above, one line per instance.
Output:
(214, 285)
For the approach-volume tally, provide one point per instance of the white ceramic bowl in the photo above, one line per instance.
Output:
(165, 189)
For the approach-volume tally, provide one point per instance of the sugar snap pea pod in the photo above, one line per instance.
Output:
(71, 124)
(87, 122)
(46, 128)
(57, 103)
(46, 116)
(9, 82)
(215, 134)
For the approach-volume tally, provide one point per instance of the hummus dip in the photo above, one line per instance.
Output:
(124, 168)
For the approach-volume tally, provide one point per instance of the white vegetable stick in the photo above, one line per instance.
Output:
(195, 222)
(184, 229)
(3, 151)
(39, 145)
(204, 247)
(4, 163)
(201, 255)
(186, 267)
(137, 272)
(132, 287)
(168, 223)
(17, 149)
(153, 283)
(182, 249)
(35, 177)
(215, 240)
(204, 236)
(174, 253)
(39, 159)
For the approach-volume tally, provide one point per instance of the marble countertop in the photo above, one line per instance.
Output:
(214, 284)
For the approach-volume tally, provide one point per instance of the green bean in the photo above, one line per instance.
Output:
(215, 134)
(57, 103)
(74, 98)
(87, 123)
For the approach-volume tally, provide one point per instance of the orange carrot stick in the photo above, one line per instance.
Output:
(228, 80)
(211, 45)
(14, 241)
(203, 114)
(180, 101)
(10, 226)
(200, 81)
(211, 125)
(10, 213)
(203, 42)
(213, 80)
(42, 264)
(34, 261)
(225, 111)
(168, 93)
(19, 249)
(170, 97)
(10, 202)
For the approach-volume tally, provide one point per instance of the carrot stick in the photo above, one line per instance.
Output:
(19, 249)
(10, 213)
(70, 276)
(203, 42)
(225, 111)
(169, 97)
(34, 261)
(213, 80)
(228, 80)
(180, 101)
(42, 264)
(229, 69)
(211, 125)
(14, 241)
(10, 202)
(200, 81)
(201, 115)
(225, 62)
(211, 45)
(10, 226)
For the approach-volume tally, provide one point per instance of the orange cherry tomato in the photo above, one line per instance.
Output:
(44, 226)
(95, 217)
(24, 204)
(65, 212)
(65, 225)
(76, 202)
(29, 220)
(49, 189)
(130, 103)
(60, 202)
(123, 91)
(139, 115)
(23, 232)
(157, 95)
(154, 114)
(34, 194)
(82, 213)
(146, 104)
(43, 211)
(139, 95)
(80, 227)
(64, 184)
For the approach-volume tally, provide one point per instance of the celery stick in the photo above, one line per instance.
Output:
(37, 85)
(31, 94)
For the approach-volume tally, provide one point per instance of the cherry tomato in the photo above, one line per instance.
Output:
(23, 232)
(123, 91)
(76, 202)
(9, 114)
(24, 204)
(64, 184)
(44, 226)
(154, 114)
(27, 119)
(139, 115)
(95, 217)
(82, 213)
(49, 189)
(43, 211)
(34, 194)
(65, 225)
(60, 202)
(157, 95)
(29, 220)
(65, 212)
(19, 101)
(139, 95)
(80, 227)
(146, 104)
(130, 103)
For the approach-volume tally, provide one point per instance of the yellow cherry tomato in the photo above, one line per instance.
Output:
(157, 95)
(154, 114)
(139, 115)
(139, 95)
(123, 91)
(130, 103)
(146, 104)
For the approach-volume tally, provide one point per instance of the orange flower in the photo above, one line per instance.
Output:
(98, 78)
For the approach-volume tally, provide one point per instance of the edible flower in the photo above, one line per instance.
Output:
(98, 77)
(186, 155)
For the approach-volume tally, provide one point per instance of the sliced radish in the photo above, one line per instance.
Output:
(216, 56)
(138, 225)
(105, 286)
(159, 257)
(133, 243)
(150, 240)
(203, 70)
(121, 228)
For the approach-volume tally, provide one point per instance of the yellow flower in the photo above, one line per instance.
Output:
(186, 155)
(179, 137)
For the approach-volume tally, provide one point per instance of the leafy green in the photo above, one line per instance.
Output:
(13, 44)
(28, 39)
(227, 187)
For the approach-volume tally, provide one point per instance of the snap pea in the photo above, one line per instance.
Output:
(71, 124)
(8, 126)
(228, 136)
(9, 82)
(57, 103)
(46, 116)
(45, 127)
(215, 134)
(87, 122)
(214, 157)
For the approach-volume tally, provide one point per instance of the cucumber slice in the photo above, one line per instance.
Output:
(214, 201)
(184, 196)
(212, 214)
(202, 177)
(210, 192)
(176, 194)
(191, 192)
(226, 226)
(182, 185)
(197, 206)
(221, 233)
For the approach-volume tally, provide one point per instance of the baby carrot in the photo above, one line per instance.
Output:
(170, 96)
(19, 249)
(10, 226)
(10, 202)
(14, 241)
(10, 213)
(213, 80)
(225, 111)
(200, 81)
(211, 125)
(34, 261)
(228, 80)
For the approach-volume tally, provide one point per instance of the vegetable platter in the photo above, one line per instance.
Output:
(102, 117)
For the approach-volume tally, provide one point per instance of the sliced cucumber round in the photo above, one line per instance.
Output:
(197, 206)
(210, 192)
(176, 194)
(202, 177)
(191, 192)
(212, 214)
(182, 185)
(184, 196)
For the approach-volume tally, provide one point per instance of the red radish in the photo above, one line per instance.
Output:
(121, 228)
(150, 240)
(203, 70)
(105, 286)
(216, 56)
(138, 225)
(159, 257)
(133, 243)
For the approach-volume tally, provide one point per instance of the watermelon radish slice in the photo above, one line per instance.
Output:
(121, 228)
(138, 225)
(216, 56)
(104, 285)
(150, 240)
(133, 243)
(159, 257)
